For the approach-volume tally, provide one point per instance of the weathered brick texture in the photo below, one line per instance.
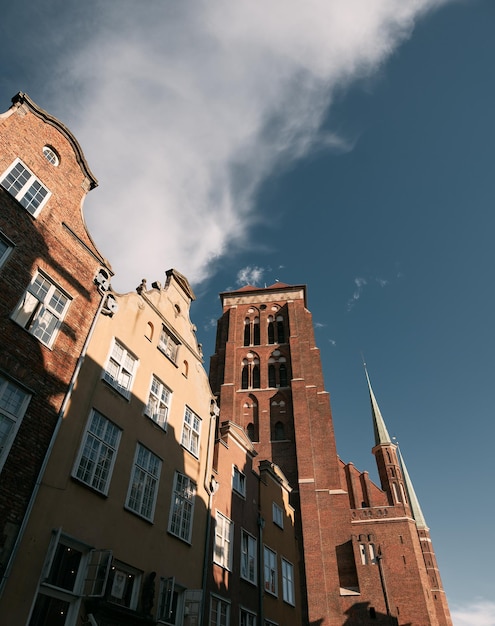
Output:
(57, 243)
(363, 559)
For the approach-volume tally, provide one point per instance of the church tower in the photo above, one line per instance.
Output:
(365, 553)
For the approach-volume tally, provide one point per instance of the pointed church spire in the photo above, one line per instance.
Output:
(416, 511)
(381, 433)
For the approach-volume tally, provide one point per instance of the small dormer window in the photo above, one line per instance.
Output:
(51, 156)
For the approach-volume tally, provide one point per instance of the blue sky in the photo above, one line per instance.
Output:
(346, 146)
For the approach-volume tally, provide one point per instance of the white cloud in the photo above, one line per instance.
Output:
(185, 108)
(360, 284)
(319, 325)
(332, 342)
(250, 276)
(479, 612)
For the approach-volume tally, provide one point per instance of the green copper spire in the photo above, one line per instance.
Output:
(381, 433)
(411, 494)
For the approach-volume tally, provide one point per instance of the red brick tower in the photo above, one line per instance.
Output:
(362, 560)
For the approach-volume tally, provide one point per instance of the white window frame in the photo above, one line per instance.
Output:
(191, 430)
(103, 437)
(249, 557)
(168, 344)
(9, 246)
(222, 617)
(180, 523)
(288, 588)
(278, 515)
(117, 590)
(143, 486)
(224, 536)
(51, 155)
(270, 572)
(14, 401)
(120, 369)
(372, 552)
(90, 579)
(25, 187)
(246, 618)
(170, 602)
(159, 400)
(42, 308)
(238, 481)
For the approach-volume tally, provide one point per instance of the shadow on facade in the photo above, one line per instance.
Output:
(363, 614)
(133, 565)
(42, 373)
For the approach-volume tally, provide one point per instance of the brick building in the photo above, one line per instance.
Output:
(124, 497)
(49, 299)
(366, 555)
(253, 578)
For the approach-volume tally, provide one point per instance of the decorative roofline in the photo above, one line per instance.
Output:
(22, 99)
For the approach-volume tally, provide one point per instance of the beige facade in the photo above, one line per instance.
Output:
(118, 530)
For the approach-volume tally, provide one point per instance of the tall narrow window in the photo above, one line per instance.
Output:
(248, 557)
(247, 332)
(288, 582)
(158, 402)
(143, 488)
(168, 345)
(279, 432)
(250, 431)
(191, 428)
(96, 458)
(42, 309)
(13, 403)
(362, 553)
(282, 372)
(278, 515)
(270, 570)
(5, 248)
(256, 376)
(23, 185)
(224, 531)
(256, 331)
(271, 376)
(280, 329)
(245, 375)
(182, 509)
(238, 481)
(271, 330)
(120, 370)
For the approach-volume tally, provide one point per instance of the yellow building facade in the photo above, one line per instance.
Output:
(121, 514)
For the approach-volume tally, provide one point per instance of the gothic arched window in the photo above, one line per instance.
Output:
(256, 376)
(282, 373)
(280, 329)
(271, 375)
(247, 332)
(250, 372)
(278, 431)
(256, 331)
